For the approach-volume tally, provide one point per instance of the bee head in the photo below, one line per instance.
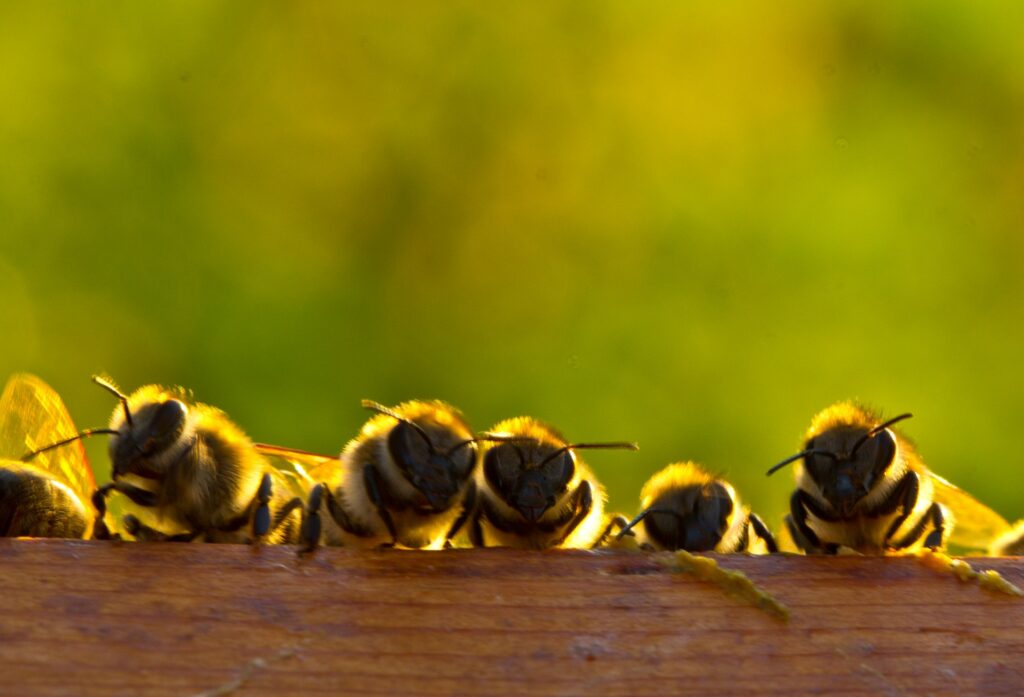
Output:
(150, 430)
(436, 455)
(847, 460)
(144, 431)
(694, 518)
(529, 475)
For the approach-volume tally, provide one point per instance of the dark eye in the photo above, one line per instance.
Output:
(166, 426)
(884, 446)
(559, 472)
(408, 447)
(502, 466)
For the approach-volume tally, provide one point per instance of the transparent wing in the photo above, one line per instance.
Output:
(303, 470)
(33, 415)
(975, 525)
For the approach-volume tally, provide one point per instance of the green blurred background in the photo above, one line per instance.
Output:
(689, 224)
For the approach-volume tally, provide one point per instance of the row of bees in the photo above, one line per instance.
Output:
(417, 476)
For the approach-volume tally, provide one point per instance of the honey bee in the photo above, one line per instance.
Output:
(535, 492)
(862, 486)
(406, 479)
(684, 507)
(192, 472)
(40, 496)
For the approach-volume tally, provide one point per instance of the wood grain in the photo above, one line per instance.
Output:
(96, 618)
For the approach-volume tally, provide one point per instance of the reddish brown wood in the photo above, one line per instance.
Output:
(94, 618)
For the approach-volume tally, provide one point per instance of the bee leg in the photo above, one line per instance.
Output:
(476, 532)
(372, 480)
(762, 531)
(584, 502)
(100, 531)
(904, 496)
(617, 521)
(309, 534)
(283, 513)
(800, 504)
(141, 497)
(468, 506)
(261, 517)
(143, 533)
(934, 515)
(936, 538)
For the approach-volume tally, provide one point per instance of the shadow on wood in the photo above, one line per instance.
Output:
(94, 618)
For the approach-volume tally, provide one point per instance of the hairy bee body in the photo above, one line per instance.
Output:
(194, 475)
(405, 480)
(862, 486)
(43, 498)
(684, 507)
(33, 503)
(535, 492)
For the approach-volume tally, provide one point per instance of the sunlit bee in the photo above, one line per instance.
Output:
(192, 473)
(535, 492)
(862, 486)
(405, 480)
(41, 495)
(684, 507)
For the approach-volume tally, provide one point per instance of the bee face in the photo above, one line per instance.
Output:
(152, 437)
(694, 518)
(847, 463)
(529, 477)
(434, 459)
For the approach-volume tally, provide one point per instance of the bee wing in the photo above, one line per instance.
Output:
(975, 525)
(302, 469)
(32, 416)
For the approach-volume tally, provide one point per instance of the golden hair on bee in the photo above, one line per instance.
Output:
(861, 485)
(406, 480)
(535, 492)
(42, 493)
(684, 507)
(192, 473)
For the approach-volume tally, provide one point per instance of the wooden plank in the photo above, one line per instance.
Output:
(94, 618)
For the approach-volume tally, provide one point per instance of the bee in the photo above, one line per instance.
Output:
(684, 507)
(861, 485)
(405, 480)
(40, 496)
(192, 472)
(535, 492)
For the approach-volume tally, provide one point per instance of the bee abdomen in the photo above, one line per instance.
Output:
(32, 505)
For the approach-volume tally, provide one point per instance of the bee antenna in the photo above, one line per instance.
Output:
(387, 411)
(793, 458)
(616, 445)
(876, 430)
(28, 457)
(643, 514)
(485, 438)
(109, 387)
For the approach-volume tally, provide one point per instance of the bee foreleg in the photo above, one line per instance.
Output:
(762, 531)
(261, 517)
(584, 502)
(141, 497)
(100, 531)
(372, 480)
(934, 515)
(476, 533)
(937, 537)
(309, 534)
(904, 494)
(143, 533)
(283, 512)
(798, 519)
(468, 506)
(617, 521)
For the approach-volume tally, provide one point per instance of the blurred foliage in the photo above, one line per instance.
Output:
(689, 224)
